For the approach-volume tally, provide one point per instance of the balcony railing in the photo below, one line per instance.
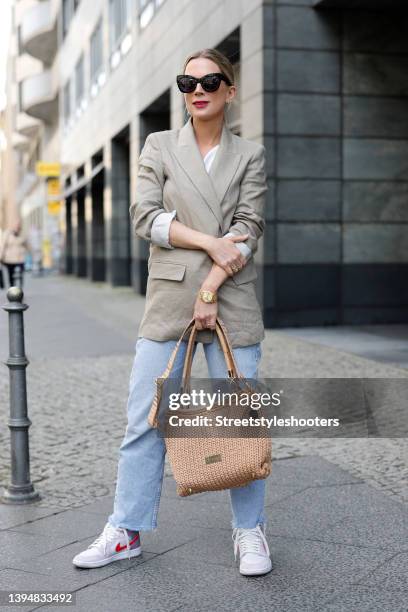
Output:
(18, 141)
(26, 125)
(39, 32)
(39, 98)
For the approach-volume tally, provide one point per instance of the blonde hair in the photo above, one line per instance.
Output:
(218, 58)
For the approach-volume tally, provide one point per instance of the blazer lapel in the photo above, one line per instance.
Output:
(213, 186)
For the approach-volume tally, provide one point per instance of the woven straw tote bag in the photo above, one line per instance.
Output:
(213, 461)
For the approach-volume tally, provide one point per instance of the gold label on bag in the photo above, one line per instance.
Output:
(213, 459)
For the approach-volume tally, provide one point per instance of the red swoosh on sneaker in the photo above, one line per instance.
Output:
(119, 547)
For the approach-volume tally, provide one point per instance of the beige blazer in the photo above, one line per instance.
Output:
(231, 197)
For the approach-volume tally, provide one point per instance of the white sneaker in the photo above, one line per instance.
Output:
(112, 545)
(253, 551)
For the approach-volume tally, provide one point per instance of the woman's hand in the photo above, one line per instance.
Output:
(224, 253)
(205, 314)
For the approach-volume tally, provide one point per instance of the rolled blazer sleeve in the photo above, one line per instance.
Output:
(160, 230)
(148, 202)
(241, 246)
(249, 212)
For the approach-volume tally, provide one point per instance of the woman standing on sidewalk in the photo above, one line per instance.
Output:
(200, 204)
(13, 248)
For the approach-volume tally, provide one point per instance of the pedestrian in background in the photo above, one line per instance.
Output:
(13, 250)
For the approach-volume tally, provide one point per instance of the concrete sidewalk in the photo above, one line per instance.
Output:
(338, 523)
(336, 544)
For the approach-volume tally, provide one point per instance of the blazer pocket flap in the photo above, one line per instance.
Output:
(245, 275)
(167, 270)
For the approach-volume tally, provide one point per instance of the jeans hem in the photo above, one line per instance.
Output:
(151, 527)
(247, 525)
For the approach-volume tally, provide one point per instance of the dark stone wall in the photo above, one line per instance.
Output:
(336, 130)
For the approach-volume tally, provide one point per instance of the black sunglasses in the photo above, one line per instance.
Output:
(209, 82)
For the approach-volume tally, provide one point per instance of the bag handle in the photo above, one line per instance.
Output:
(188, 360)
(226, 349)
(225, 343)
(152, 417)
(232, 368)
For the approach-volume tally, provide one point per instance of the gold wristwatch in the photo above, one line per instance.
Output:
(209, 297)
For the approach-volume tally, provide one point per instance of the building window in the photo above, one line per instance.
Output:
(19, 39)
(96, 51)
(20, 97)
(147, 9)
(97, 67)
(68, 10)
(120, 12)
(67, 102)
(79, 84)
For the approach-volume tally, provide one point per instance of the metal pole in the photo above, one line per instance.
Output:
(20, 490)
(18, 276)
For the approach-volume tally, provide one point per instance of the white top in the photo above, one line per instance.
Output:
(209, 157)
(161, 225)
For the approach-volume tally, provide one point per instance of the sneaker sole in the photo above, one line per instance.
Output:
(256, 572)
(136, 552)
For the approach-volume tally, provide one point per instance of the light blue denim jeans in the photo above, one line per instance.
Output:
(142, 452)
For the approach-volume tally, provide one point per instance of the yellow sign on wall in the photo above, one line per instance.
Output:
(48, 168)
(54, 207)
(53, 187)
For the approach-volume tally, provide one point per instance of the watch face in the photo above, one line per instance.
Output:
(207, 297)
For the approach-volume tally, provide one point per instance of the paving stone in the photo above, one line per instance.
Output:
(392, 574)
(308, 471)
(12, 515)
(158, 585)
(68, 526)
(297, 563)
(355, 514)
(102, 506)
(278, 598)
(368, 599)
(58, 564)
(195, 514)
(306, 563)
(171, 532)
(16, 545)
(17, 580)
(95, 598)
